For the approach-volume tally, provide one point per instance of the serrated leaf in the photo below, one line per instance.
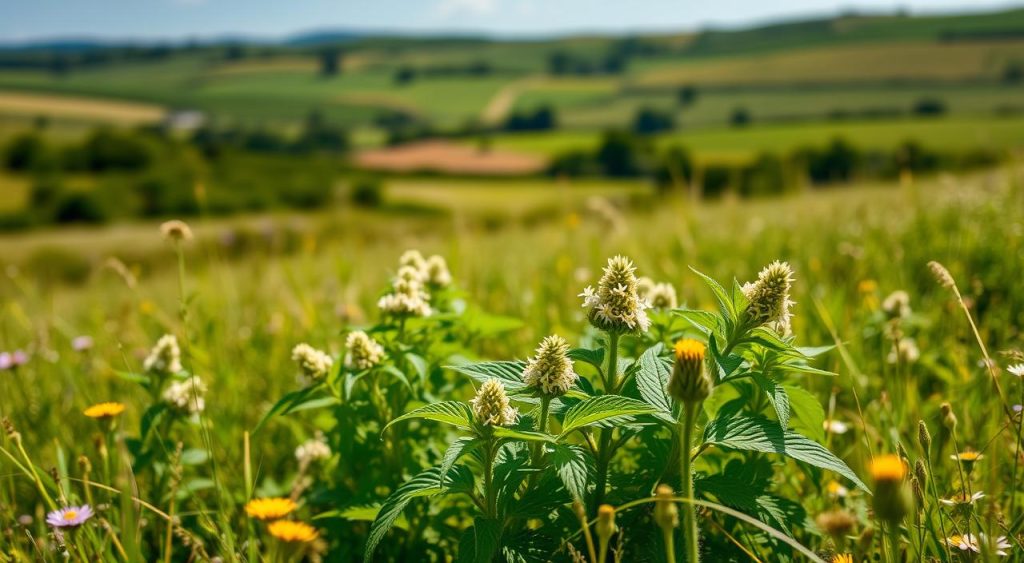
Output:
(455, 413)
(481, 541)
(425, 483)
(603, 408)
(572, 465)
(762, 435)
(652, 379)
(721, 295)
(810, 415)
(361, 514)
(703, 321)
(525, 435)
(459, 448)
(777, 396)
(593, 357)
(509, 373)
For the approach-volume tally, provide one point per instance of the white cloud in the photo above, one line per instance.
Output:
(448, 8)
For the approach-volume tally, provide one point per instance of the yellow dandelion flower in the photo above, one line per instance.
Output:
(690, 350)
(270, 508)
(967, 456)
(888, 468)
(291, 531)
(842, 558)
(104, 410)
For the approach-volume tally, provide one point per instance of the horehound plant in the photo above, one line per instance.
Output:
(587, 413)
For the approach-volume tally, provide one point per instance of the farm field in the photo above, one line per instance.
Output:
(479, 287)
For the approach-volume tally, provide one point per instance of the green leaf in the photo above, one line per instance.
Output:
(508, 372)
(573, 466)
(287, 404)
(139, 378)
(593, 357)
(762, 435)
(777, 396)
(481, 541)
(525, 435)
(459, 448)
(361, 514)
(652, 379)
(721, 295)
(425, 483)
(455, 413)
(400, 375)
(603, 408)
(810, 416)
(703, 321)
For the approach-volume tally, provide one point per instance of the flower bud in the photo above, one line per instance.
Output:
(918, 489)
(836, 523)
(615, 306)
(689, 383)
(892, 499)
(921, 472)
(924, 437)
(550, 373)
(605, 522)
(768, 297)
(948, 418)
(491, 405)
(666, 513)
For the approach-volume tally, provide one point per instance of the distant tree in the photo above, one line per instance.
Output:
(740, 117)
(404, 75)
(330, 61)
(24, 152)
(234, 52)
(929, 107)
(687, 95)
(1013, 73)
(540, 119)
(765, 176)
(367, 193)
(650, 120)
(837, 163)
(318, 134)
(675, 168)
(559, 62)
(621, 154)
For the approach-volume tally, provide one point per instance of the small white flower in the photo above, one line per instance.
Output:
(615, 305)
(165, 357)
(1016, 369)
(836, 489)
(960, 500)
(551, 371)
(897, 304)
(186, 396)
(314, 363)
(904, 351)
(313, 450)
(768, 297)
(835, 426)
(363, 351)
(436, 272)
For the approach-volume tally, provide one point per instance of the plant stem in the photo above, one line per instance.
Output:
(537, 449)
(489, 500)
(689, 510)
(894, 540)
(670, 545)
(1016, 456)
(604, 453)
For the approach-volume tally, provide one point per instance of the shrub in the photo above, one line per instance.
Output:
(367, 193)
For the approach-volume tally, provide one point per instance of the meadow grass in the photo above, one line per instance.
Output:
(247, 308)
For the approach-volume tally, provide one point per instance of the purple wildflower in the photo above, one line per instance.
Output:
(6, 362)
(19, 358)
(81, 343)
(69, 517)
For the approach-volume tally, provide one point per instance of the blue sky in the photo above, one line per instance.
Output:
(125, 19)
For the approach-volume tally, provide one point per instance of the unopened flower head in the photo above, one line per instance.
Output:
(176, 230)
(363, 352)
(836, 523)
(186, 396)
(491, 405)
(892, 499)
(904, 351)
(165, 357)
(313, 450)
(942, 275)
(313, 363)
(897, 305)
(615, 306)
(689, 382)
(768, 297)
(436, 272)
(550, 371)
(666, 513)
(69, 517)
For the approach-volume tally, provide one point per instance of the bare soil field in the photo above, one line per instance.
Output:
(442, 156)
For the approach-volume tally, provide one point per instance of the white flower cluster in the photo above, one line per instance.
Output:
(659, 295)
(551, 371)
(187, 395)
(491, 406)
(363, 352)
(897, 305)
(314, 363)
(904, 351)
(615, 306)
(165, 357)
(313, 450)
(409, 296)
(768, 297)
